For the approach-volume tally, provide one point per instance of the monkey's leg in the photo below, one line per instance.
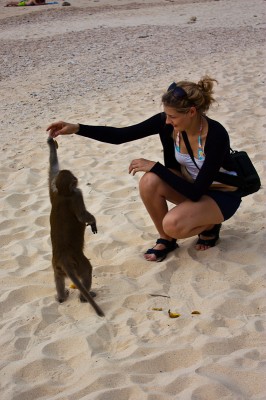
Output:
(62, 292)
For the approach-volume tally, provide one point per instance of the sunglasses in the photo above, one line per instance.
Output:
(177, 90)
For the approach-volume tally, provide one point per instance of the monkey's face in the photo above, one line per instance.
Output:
(66, 183)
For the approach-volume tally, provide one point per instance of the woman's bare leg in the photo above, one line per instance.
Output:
(191, 218)
(154, 192)
(187, 219)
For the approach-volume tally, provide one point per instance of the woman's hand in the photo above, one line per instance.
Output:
(140, 164)
(62, 128)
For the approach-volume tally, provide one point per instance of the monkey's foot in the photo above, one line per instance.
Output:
(83, 299)
(63, 298)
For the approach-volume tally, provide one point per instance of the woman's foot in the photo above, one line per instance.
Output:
(208, 238)
(160, 250)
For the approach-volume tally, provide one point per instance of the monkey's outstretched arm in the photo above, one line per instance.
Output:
(80, 211)
(54, 164)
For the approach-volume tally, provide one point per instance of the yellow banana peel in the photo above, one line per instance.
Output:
(72, 286)
(172, 314)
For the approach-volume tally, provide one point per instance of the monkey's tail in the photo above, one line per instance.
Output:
(85, 293)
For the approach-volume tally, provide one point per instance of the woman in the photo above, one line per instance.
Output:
(25, 3)
(188, 181)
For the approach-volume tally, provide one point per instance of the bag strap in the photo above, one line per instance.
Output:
(189, 149)
(222, 177)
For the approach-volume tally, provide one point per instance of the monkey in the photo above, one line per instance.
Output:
(68, 221)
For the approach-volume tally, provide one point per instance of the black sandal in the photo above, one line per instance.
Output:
(170, 245)
(211, 232)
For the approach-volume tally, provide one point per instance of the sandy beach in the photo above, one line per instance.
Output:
(108, 63)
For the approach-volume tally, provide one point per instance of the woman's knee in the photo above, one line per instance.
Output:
(149, 183)
(174, 226)
(170, 226)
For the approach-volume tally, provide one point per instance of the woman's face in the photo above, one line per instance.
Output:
(179, 121)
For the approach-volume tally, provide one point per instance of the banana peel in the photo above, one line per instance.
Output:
(172, 314)
(72, 286)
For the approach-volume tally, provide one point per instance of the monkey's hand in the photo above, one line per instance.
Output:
(52, 142)
(93, 227)
(90, 220)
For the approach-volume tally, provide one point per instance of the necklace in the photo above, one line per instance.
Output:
(201, 125)
(201, 155)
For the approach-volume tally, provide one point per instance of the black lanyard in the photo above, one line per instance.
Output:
(221, 176)
(189, 149)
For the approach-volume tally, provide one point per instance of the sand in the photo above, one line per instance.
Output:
(108, 62)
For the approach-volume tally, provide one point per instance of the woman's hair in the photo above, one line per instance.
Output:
(191, 94)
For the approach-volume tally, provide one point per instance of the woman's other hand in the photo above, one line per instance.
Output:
(140, 165)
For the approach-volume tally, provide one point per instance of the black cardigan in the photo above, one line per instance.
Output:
(216, 149)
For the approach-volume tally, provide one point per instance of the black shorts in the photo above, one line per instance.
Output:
(228, 202)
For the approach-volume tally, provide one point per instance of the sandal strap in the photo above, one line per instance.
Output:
(160, 255)
(207, 242)
(166, 243)
(212, 232)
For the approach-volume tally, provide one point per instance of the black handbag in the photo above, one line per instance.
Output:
(247, 179)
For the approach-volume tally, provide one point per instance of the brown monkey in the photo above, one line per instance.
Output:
(68, 220)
